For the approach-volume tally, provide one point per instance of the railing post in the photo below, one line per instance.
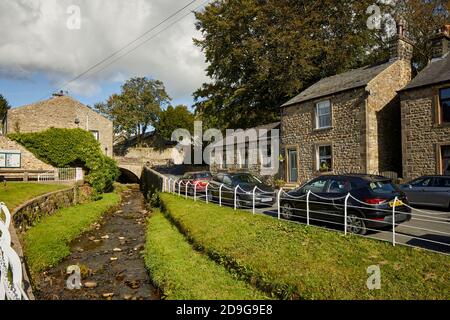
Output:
(307, 207)
(179, 188)
(279, 203)
(220, 195)
(206, 192)
(253, 198)
(393, 221)
(346, 213)
(195, 191)
(187, 184)
(168, 184)
(235, 197)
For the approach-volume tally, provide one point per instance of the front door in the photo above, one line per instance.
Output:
(446, 160)
(292, 165)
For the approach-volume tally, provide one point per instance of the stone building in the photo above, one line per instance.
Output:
(60, 112)
(425, 112)
(348, 123)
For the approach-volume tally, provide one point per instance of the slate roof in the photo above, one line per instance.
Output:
(436, 72)
(352, 79)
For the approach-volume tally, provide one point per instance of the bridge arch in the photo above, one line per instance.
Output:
(130, 175)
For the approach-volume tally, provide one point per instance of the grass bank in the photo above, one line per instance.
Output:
(184, 274)
(300, 262)
(47, 243)
(16, 193)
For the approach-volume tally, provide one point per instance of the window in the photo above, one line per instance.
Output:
(324, 158)
(382, 187)
(444, 101)
(441, 182)
(246, 178)
(423, 182)
(315, 186)
(339, 186)
(323, 115)
(96, 134)
(227, 180)
(445, 154)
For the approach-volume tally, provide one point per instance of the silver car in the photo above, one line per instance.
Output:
(429, 191)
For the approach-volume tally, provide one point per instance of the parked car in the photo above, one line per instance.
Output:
(264, 195)
(429, 191)
(202, 179)
(372, 208)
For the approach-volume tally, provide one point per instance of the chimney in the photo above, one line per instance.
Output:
(440, 43)
(401, 47)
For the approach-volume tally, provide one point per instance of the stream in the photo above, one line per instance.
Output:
(109, 257)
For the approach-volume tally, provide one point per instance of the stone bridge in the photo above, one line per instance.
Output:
(131, 168)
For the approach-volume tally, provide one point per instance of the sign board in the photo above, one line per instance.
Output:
(11, 159)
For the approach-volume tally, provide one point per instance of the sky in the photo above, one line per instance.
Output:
(46, 43)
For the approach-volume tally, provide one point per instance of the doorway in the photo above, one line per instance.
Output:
(292, 165)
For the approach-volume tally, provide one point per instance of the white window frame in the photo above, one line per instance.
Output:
(96, 134)
(317, 116)
(318, 158)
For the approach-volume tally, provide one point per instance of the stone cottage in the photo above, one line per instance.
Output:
(60, 111)
(425, 112)
(350, 122)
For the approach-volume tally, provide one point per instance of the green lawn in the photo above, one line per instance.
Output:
(184, 274)
(16, 193)
(47, 243)
(300, 262)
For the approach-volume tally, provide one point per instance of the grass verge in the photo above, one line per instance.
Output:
(184, 274)
(47, 243)
(16, 193)
(295, 261)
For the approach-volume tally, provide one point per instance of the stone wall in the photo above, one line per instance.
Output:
(383, 118)
(156, 156)
(32, 211)
(297, 131)
(421, 135)
(28, 160)
(61, 112)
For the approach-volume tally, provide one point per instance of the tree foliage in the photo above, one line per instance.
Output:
(174, 118)
(72, 147)
(261, 53)
(137, 107)
(4, 107)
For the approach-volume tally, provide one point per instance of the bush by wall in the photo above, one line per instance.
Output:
(72, 147)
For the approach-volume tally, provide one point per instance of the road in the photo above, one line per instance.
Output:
(425, 229)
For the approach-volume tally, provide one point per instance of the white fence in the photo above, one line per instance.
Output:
(343, 213)
(11, 286)
(61, 175)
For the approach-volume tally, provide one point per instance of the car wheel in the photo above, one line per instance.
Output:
(287, 211)
(240, 204)
(355, 224)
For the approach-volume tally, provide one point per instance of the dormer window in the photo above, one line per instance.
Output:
(323, 114)
(444, 103)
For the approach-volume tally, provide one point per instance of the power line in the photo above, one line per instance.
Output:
(128, 44)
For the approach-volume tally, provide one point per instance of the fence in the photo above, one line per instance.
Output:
(61, 175)
(343, 213)
(11, 287)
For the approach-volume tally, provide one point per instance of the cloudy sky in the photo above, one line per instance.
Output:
(43, 44)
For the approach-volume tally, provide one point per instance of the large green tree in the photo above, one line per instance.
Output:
(173, 118)
(261, 53)
(4, 107)
(137, 107)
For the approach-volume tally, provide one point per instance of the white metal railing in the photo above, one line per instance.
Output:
(11, 286)
(344, 209)
(61, 175)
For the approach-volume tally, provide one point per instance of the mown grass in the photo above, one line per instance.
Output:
(47, 243)
(16, 193)
(184, 274)
(300, 262)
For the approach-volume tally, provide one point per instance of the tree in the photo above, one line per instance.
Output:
(174, 118)
(136, 108)
(261, 53)
(4, 107)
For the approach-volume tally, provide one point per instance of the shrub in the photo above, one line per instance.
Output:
(72, 147)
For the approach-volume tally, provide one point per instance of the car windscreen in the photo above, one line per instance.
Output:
(203, 175)
(246, 178)
(382, 187)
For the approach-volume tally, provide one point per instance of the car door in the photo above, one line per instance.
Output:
(316, 202)
(227, 190)
(439, 194)
(215, 183)
(336, 190)
(418, 189)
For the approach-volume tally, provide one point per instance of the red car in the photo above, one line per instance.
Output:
(201, 178)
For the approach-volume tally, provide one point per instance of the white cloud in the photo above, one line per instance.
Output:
(34, 38)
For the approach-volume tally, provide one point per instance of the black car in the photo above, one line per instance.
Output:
(372, 208)
(264, 194)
